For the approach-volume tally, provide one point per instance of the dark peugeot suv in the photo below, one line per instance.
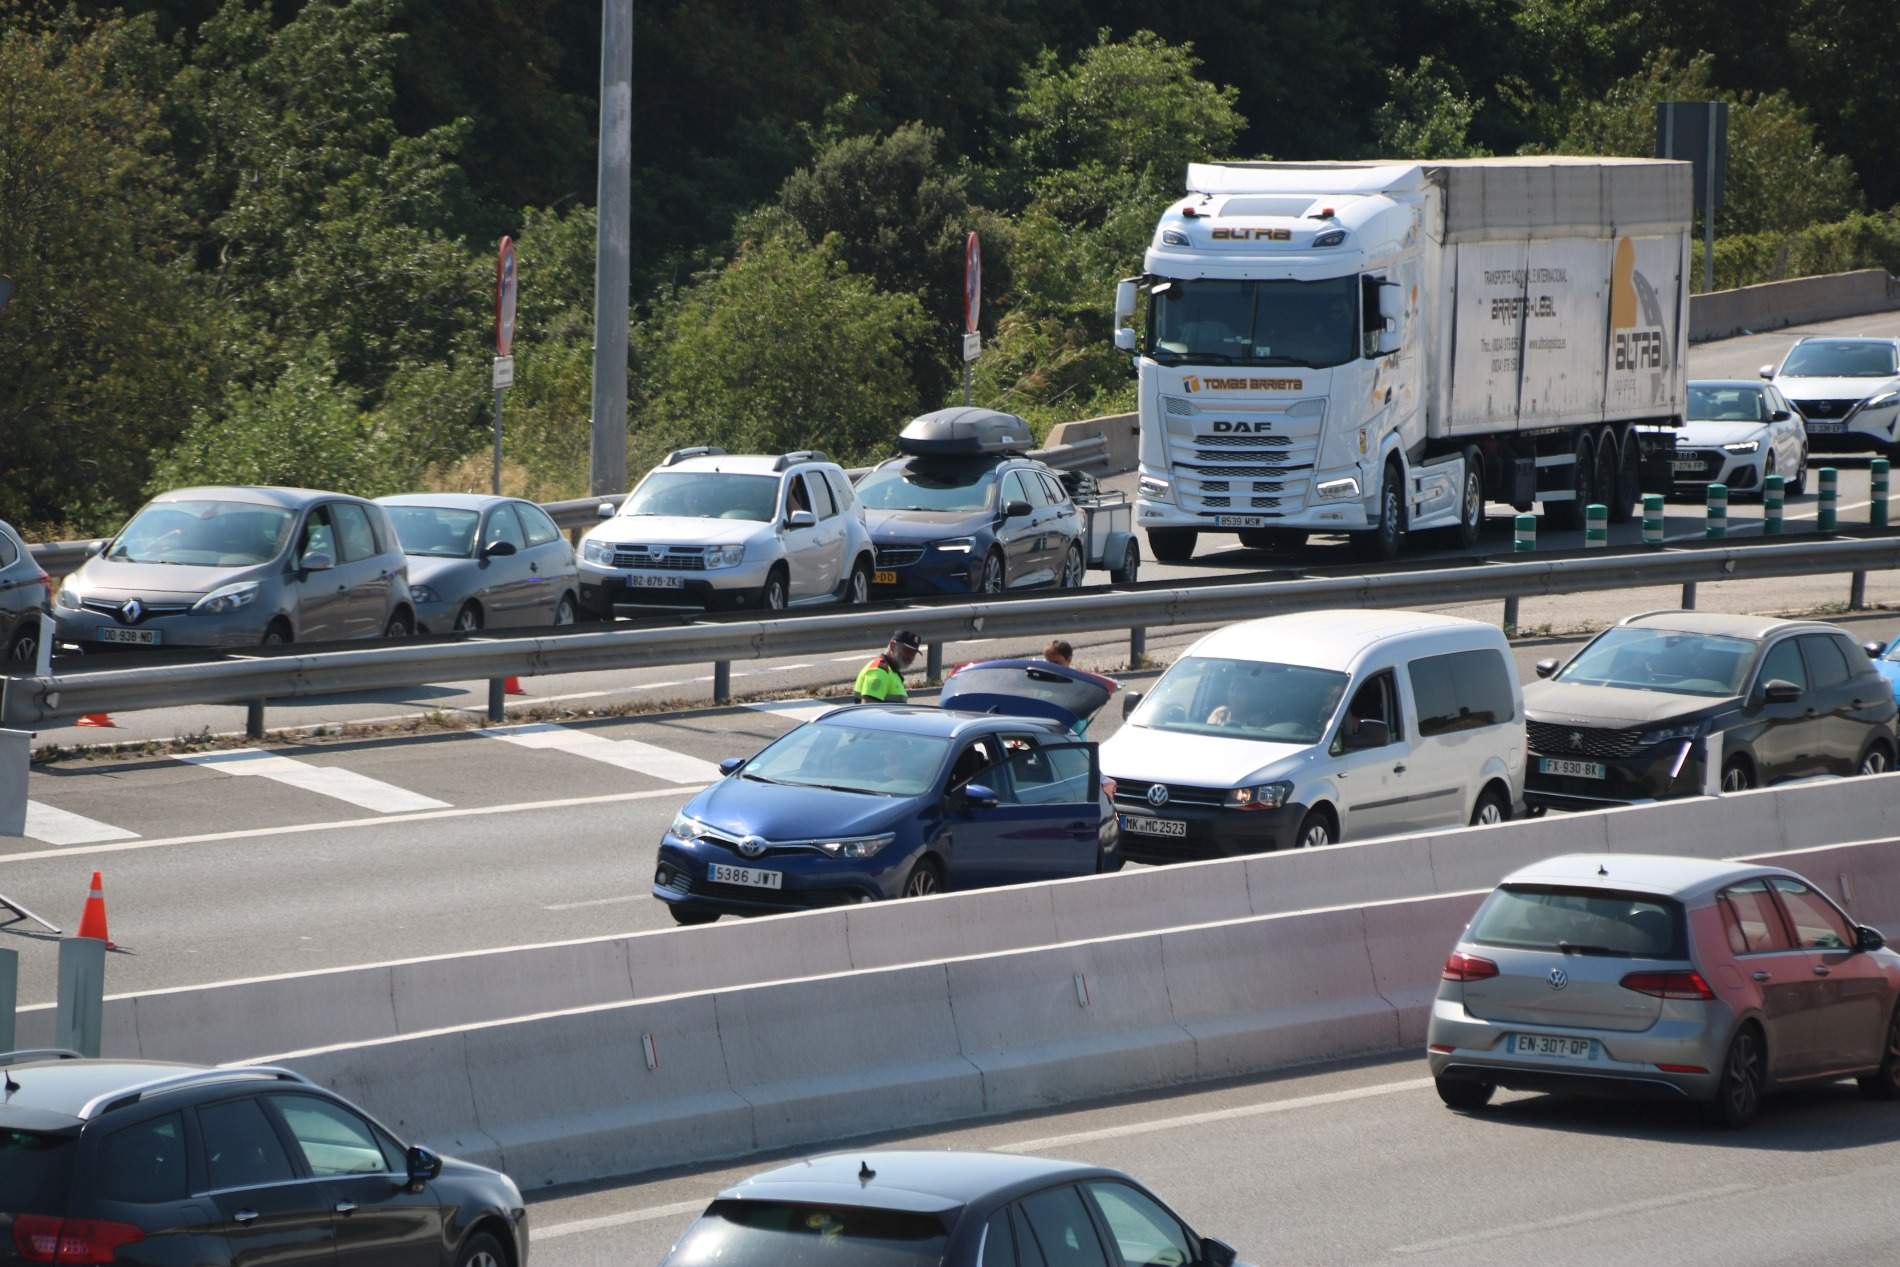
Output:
(163, 1165)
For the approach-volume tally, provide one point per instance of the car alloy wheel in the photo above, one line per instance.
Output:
(469, 619)
(1489, 813)
(398, 627)
(860, 586)
(25, 648)
(1876, 761)
(773, 599)
(1739, 1097)
(1315, 832)
(993, 574)
(566, 613)
(1884, 1084)
(1072, 568)
(923, 880)
(480, 1251)
(1736, 778)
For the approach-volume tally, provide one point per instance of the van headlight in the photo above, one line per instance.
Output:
(597, 551)
(857, 846)
(1156, 489)
(725, 556)
(1261, 796)
(229, 598)
(1339, 490)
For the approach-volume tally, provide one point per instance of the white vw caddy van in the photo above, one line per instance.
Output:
(1302, 730)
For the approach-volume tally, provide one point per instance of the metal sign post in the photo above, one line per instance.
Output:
(6, 291)
(972, 304)
(607, 453)
(1698, 132)
(504, 342)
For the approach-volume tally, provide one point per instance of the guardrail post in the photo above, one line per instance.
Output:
(1510, 617)
(254, 719)
(1596, 526)
(1524, 534)
(1652, 519)
(722, 681)
(1877, 508)
(9, 997)
(82, 994)
(1774, 491)
(16, 761)
(497, 699)
(1830, 498)
(48, 633)
(1688, 596)
(1137, 648)
(1718, 512)
(1857, 592)
(933, 664)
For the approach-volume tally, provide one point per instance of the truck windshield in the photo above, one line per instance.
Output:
(1210, 322)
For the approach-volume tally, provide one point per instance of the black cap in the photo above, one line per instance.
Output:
(907, 638)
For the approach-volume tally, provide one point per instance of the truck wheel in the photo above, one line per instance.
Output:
(1629, 479)
(1582, 483)
(1381, 545)
(1130, 570)
(1172, 545)
(1470, 527)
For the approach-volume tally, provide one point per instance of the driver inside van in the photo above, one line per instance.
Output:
(1247, 705)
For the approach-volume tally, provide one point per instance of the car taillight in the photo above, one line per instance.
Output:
(1462, 967)
(44, 1238)
(1669, 985)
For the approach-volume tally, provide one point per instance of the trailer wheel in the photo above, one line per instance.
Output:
(1130, 570)
(1629, 479)
(1582, 483)
(1606, 470)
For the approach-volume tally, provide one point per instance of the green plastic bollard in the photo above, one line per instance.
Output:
(1718, 511)
(1524, 538)
(1830, 498)
(1877, 511)
(1652, 519)
(1774, 491)
(1596, 526)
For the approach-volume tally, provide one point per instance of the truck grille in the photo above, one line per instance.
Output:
(1244, 442)
(1232, 472)
(898, 556)
(661, 558)
(1588, 741)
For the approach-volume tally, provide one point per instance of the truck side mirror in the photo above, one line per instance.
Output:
(1392, 317)
(1124, 338)
(1126, 291)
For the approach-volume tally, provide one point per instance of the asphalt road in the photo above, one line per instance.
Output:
(1220, 556)
(337, 851)
(1362, 1165)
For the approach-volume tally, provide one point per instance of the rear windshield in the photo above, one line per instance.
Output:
(775, 1234)
(35, 1172)
(1581, 921)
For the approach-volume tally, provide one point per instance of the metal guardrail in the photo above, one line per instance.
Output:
(58, 558)
(28, 702)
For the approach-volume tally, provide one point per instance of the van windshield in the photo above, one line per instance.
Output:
(1581, 921)
(1243, 699)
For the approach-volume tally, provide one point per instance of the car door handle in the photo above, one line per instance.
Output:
(534, 567)
(1821, 970)
(1762, 976)
(1399, 769)
(1079, 824)
(345, 1207)
(244, 1216)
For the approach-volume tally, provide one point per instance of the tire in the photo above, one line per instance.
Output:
(858, 588)
(1490, 809)
(1317, 830)
(401, 625)
(469, 619)
(1172, 545)
(1629, 479)
(566, 612)
(1383, 543)
(1604, 481)
(1470, 529)
(688, 918)
(1878, 759)
(1467, 1095)
(1569, 515)
(1129, 573)
(1285, 540)
(24, 651)
(1767, 469)
(481, 1250)
(995, 578)
(924, 879)
(772, 594)
(276, 634)
(1073, 567)
(1737, 776)
(1799, 486)
(1738, 1093)
(1885, 1084)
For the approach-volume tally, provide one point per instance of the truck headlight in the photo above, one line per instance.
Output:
(1174, 237)
(1264, 796)
(1155, 490)
(227, 599)
(857, 846)
(597, 551)
(725, 556)
(1742, 446)
(1338, 490)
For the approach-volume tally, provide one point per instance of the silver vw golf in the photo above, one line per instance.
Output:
(1631, 975)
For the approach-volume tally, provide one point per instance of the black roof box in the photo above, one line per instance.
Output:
(964, 432)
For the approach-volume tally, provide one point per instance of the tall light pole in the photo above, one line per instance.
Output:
(607, 465)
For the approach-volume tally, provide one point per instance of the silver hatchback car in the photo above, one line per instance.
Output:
(1629, 975)
(234, 567)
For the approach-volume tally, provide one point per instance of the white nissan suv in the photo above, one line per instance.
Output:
(1848, 392)
(710, 529)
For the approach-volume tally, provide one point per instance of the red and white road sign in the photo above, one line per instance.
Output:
(972, 282)
(505, 298)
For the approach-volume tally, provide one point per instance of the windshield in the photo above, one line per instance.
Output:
(705, 495)
(847, 758)
(1243, 699)
(204, 534)
(1840, 360)
(1580, 921)
(1727, 404)
(780, 1234)
(435, 532)
(943, 486)
(1667, 660)
(1207, 322)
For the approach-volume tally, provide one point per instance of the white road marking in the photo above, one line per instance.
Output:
(679, 1209)
(1572, 1220)
(626, 754)
(800, 710)
(344, 824)
(342, 785)
(597, 901)
(62, 827)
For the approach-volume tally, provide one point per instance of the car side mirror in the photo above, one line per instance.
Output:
(1867, 940)
(498, 549)
(731, 765)
(1766, 371)
(316, 561)
(605, 510)
(1781, 692)
(423, 1165)
(1125, 338)
(979, 796)
(1368, 734)
(1780, 415)
(1016, 510)
(96, 548)
(1547, 667)
(800, 519)
(1217, 1253)
(1874, 650)
(1130, 702)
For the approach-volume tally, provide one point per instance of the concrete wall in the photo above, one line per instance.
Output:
(235, 1019)
(1771, 305)
(1117, 429)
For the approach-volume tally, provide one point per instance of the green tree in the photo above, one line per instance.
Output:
(1428, 114)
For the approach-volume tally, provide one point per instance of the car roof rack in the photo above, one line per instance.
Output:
(25, 1054)
(800, 455)
(697, 451)
(196, 1077)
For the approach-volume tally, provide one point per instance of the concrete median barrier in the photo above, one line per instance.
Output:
(1406, 943)
(417, 1085)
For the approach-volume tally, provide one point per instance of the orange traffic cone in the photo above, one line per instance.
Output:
(98, 719)
(512, 686)
(92, 921)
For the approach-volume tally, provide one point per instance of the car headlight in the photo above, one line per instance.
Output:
(1742, 446)
(725, 556)
(1338, 490)
(67, 600)
(227, 599)
(956, 545)
(1159, 490)
(1667, 734)
(685, 827)
(1264, 796)
(424, 594)
(597, 551)
(857, 846)
(1881, 401)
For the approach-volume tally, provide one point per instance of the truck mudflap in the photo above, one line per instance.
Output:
(1656, 452)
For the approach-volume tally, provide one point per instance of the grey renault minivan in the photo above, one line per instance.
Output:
(231, 567)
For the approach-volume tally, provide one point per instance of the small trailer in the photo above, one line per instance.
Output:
(1110, 535)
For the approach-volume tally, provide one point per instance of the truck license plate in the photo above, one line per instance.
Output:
(136, 637)
(1240, 521)
(1573, 769)
(758, 879)
(1153, 826)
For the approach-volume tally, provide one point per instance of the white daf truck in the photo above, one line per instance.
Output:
(1381, 348)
